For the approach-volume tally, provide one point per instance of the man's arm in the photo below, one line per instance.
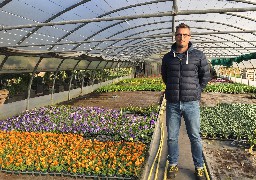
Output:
(204, 72)
(163, 71)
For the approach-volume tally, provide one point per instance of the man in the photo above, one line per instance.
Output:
(185, 72)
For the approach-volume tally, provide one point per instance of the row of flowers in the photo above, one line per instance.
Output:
(135, 84)
(76, 140)
(87, 121)
(70, 153)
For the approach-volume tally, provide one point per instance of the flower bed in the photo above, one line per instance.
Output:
(69, 153)
(136, 84)
(230, 121)
(65, 139)
(96, 128)
(230, 88)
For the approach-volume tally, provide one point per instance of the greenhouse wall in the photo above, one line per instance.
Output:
(240, 80)
(15, 108)
(243, 81)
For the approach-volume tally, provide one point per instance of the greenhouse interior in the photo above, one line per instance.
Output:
(59, 51)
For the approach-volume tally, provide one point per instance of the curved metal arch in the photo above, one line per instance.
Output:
(156, 23)
(224, 47)
(227, 47)
(233, 42)
(84, 42)
(55, 77)
(238, 44)
(133, 35)
(159, 14)
(150, 23)
(135, 47)
(200, 38)
(3, 62)
(2, 4)
(244, 17)
(244, 1)
(106, 14)
(91, 36)
(160, 36)
(177, 21)
(51, 18)
(145, 37)
(120, 31)
(162, 28)
(118, 47)
(142, 50)
(175, 9)
(240, 16)
(147, 44)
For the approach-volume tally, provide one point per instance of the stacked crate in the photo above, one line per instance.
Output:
(249, 74)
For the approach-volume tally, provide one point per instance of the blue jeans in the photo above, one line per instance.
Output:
(191, 114)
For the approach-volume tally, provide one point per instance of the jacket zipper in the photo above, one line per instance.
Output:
(180, 60)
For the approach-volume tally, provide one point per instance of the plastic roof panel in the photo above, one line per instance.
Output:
(134, 30)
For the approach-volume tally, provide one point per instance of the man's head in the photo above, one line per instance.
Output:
(182, 35)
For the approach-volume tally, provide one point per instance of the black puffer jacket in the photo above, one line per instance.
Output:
(185, 75)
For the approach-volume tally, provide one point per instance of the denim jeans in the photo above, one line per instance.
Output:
(191, 114)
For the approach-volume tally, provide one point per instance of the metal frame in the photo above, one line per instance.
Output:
(140, 42)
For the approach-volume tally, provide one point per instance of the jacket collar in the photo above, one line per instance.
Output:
(190, 48)
(174, 47)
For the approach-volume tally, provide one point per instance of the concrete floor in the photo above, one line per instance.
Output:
(186, 166)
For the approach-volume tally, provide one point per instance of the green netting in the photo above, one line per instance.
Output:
(229, 61)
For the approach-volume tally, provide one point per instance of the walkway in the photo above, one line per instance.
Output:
(186, 166)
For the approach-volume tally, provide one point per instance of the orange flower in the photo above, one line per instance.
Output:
(55, 163)
(44, 150)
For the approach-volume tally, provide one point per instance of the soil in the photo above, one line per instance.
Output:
(118, 100)
(228, 160)
(225, 159)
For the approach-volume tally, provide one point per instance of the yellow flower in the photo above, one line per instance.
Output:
(97, 169)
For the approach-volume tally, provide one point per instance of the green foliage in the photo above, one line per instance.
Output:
(229, 61)
(15, 89)
(156, 84)
(230, 88)
(252, 140)
(253, 96)
(142, 111)
(135, 84)
(14, 83)
(229, 121)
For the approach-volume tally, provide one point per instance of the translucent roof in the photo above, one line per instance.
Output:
(122, 30)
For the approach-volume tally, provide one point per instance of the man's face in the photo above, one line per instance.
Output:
(182, 37)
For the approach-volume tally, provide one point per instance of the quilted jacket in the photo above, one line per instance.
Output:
(184, 74)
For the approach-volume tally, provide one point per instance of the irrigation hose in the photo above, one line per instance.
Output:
(206, 173)
(157, 157)
(153, 164)
(159, 151)
(161, 140)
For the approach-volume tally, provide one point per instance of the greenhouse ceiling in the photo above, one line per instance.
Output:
(107, 33)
